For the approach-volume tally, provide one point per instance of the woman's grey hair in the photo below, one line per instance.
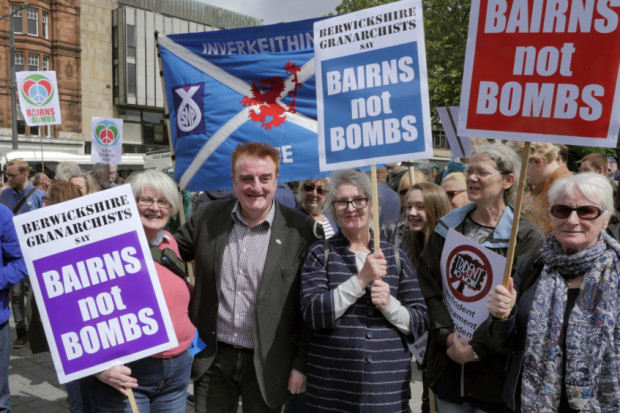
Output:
(591, 185)
(506, 160)
(351, 176)
(64, 170)
(159, 181)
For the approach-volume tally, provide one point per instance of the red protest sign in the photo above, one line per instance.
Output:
(543, 70)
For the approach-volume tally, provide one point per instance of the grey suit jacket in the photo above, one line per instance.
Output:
(279, 335)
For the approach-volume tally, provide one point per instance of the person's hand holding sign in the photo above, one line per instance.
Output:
(374, 268)
(502, 300)
(380, 294)
(118, 377)
(459, 349)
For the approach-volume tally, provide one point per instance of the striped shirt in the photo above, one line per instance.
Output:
(242, 271)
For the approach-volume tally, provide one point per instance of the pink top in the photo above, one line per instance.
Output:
(177, 294)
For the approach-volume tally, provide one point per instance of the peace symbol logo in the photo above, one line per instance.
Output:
(106, 132)
(37, 90)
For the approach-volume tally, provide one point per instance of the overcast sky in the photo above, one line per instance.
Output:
(277, 11)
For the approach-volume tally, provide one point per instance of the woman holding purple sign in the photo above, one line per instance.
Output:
(159, 382)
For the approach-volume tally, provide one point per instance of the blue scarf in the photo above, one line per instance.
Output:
(592, 356)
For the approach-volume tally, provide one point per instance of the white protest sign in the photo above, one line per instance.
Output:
(95, 283)
(372, 89)
(107, 140)
(38, 97)
(459, 146)
(468, 272)
(543, 71)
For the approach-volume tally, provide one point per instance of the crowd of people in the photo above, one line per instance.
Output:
(300, 312)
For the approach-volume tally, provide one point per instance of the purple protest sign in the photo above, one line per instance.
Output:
(95, 283)
(93, 310)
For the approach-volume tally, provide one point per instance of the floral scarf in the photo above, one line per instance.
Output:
(593, 335)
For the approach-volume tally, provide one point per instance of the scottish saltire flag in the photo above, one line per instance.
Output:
(231, 86)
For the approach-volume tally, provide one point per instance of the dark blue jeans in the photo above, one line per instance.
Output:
(162, 385)
(5, 355)
(232, 375)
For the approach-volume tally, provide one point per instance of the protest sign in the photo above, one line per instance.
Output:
(107, 140)
(468, 272)
(38, 97)
(372, 91)
(95, 283)
(459, 146)
(543, 71)
(226, 87)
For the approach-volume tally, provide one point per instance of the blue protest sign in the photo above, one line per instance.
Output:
(372, 91)
(232, 86)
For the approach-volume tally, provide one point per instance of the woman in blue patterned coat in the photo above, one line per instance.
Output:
(364, 311)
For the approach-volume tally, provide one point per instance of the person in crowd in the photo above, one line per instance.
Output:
(12, 272)
(313, 195)
(247, 256)
(41, 181)
(426, 204)
(159, 383)
(389, 205)
(84, 181)
(364, 309)
(21, 196)
(396, 231)
(543, 170)
(64, 170)
(562, 153)
(612, 168)
(61, 191)
(597, 163)
(395, 173)
(465, 374)
(454, 184)
(564, 331)
(104, 175)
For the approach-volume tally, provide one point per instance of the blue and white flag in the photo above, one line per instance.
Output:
(232, 86)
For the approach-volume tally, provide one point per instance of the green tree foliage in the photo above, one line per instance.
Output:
(445, 28)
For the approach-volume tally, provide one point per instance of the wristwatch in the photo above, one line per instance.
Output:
(476, 358)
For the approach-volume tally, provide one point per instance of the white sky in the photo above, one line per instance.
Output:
(277, 11)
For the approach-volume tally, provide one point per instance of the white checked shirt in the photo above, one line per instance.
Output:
(242, 272)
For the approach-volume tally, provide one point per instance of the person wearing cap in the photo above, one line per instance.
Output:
(612, 168)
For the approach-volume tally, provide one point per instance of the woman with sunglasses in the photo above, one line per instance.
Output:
(159, 382)
(465, 374)
(313, 196)
(564, 332)
(456, 188)
(364, 311)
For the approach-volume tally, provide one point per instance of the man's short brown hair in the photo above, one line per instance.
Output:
(256, 150)
(22, 165)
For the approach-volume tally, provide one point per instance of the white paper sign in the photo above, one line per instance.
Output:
(38, 97)
(107, 140)
(468, 272)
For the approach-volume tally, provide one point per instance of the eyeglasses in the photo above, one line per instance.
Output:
(358, 203)
(452, 194)
(162, 203)
(14, 175)
(481, 173)
(587, 212)
(319, 189)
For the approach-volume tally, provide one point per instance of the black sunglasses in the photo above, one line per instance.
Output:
(587, 212)
(452, 194)
(319, 189)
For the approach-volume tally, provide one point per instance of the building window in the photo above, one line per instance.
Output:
(131, 40)
(46, 63)
(45, 24)
(33, 62)
(19, 61)
(18, 24)
(131, 79)
(33, 21)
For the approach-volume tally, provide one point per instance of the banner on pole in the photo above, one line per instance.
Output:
(372, 89)
(95, 283)
(232, 86)
(543, 71)
(38, 97)
(107, 140)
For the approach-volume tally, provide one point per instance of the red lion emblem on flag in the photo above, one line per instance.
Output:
(267, 95)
